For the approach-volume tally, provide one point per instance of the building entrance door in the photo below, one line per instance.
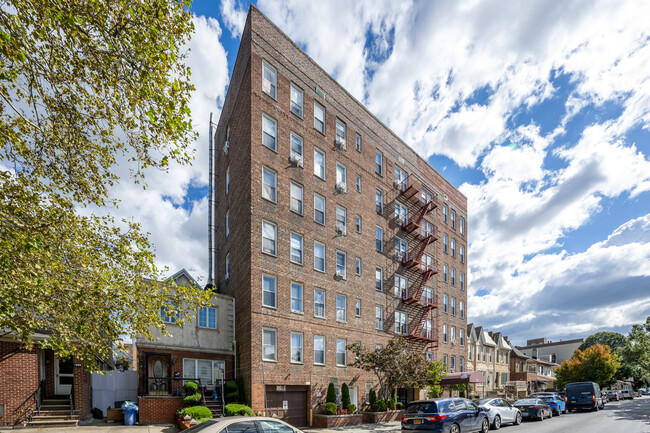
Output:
(63, 376)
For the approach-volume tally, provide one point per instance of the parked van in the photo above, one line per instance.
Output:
(584, 395)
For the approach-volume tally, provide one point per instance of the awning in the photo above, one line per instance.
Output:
(463, 378)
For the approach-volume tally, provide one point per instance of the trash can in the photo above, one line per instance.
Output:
(129, 410)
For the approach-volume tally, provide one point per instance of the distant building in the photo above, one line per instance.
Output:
(538, 374)
(553, 351)
(488, 353)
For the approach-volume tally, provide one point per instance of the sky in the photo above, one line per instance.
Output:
(538, 111)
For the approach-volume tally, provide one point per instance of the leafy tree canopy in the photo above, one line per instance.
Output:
(612, 339)
(82, 85)
(596, 364)
(637, 351)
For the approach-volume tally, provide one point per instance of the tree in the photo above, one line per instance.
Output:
(637, 351)
(435, 373)
(82, 84)
(596, 364)
(331, 394)
(345, 396)
(612, 339)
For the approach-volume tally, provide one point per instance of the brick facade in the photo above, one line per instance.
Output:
(158, 410)
(242, 116)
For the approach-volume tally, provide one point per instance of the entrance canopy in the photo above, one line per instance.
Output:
(462, 378)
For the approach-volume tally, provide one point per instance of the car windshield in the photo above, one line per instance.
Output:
(526, 401)
(421, 408)
(547, 398)
(202, 426)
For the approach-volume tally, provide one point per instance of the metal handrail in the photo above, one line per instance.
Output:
(26, 408)
(72, 397)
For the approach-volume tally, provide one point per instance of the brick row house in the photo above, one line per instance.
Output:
(330, 231)
(488, 353)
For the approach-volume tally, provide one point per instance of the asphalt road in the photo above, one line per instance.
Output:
(625, 416)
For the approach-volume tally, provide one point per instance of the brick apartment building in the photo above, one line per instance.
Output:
(330, 231)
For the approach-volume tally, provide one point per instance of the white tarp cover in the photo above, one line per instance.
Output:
(114, 386)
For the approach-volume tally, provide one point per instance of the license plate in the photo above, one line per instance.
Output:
(573, 401)
(521, 409)
(417, 421)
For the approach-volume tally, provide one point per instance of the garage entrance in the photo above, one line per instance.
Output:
(288, 402)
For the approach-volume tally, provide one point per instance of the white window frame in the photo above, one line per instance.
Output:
(379, 201)
(379, 239)
(275, 132)
(461, 309)
(445, 213)
(324, 303)
(401, 284)
(357, 184)
(379, 272)
(299, 111)
(323, 339)
(342, 311)
(445, 303)
(299, 348)
(221, 365)
(452, 217)
(358, 143)
(453, 306)
(296, 237)
(297, 146)
(445, 334)
(208, 311)
(322, 168)
(274, 226)
(344, 127)
(379, 317)
(227, 222)
(341, 343)
(227, 267)
(445, 243)
(269, 86)
(357, 308)
(401, 249)
(401, 323)
(273, 187)
(344, 268)
(445, 273)
(297, 203)
(342, 219)
(401, 177)
(341, 176)
(274, 332)
(319, 244)
(323, 200)
(300, 300)
(357, 266)
(379, 163)
(358, 223)
(401, 212)
(452, 247)
(461, 279)
(274, 292)
(462, 253)
(462, 225)
(317, 108)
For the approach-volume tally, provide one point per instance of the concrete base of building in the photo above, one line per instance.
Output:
(375, 417)
(327, 421)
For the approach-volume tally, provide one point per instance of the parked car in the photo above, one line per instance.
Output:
(612, 395)
(626, 394)
(534, 408)
(243, 424)
(644, 392)
(557, 403)
(584, 395)
(499, 412)
(448, 415)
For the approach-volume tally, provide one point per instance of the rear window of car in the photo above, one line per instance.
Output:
(547, 398)
(419, 408)
(527, 401)
(579, 388)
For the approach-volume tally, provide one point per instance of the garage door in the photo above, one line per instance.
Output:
(289, 403)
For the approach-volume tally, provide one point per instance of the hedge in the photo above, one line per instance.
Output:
(233, 409)
(196, 412)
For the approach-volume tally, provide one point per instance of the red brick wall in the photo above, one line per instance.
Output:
(158, 410)
(18, 379)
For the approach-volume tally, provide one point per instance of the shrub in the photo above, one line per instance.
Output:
(399, 406)
(390, 404)
(190, 387)
(193, 400)
(345, 395)
(196, 412)
(232, 397)
(233, 409)
(372, 397)
(232, 392)
(351, 408)
(381, 405)
(331, 394)
(231, 386)
(330, 408)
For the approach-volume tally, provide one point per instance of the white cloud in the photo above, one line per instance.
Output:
(234, 16)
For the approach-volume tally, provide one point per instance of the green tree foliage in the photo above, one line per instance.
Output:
(345, 395)
(435, 373)
(596, 364)
(637, 351)
(372, 397)
(331, 394)
(82, 84)
(612, 339)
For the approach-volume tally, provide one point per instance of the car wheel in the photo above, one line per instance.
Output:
(550, 413)
(541, 415)
(485, 427)
(559, 412)
(595, 409)
(496, 424)
(454, 429)
(518, 419)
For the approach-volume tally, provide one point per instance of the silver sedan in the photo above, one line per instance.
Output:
(244, 424)
(499, 412)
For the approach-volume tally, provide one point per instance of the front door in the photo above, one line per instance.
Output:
(158, 381)
(63, 376)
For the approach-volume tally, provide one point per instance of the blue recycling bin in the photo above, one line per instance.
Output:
(129, 410)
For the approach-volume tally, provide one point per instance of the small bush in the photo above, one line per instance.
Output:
(372, 397)
(381, 405)
(190, 387)
(331, 394)
(330, 408)
(399, 406)
(193, 400)
(233, 409)
(231, 386)
(390, 404)
(232, 397)
(196, 412)
(351, 408)
(345, 395)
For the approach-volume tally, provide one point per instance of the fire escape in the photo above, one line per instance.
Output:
(418, 296)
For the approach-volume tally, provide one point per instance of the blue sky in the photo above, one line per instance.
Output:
(539, 112)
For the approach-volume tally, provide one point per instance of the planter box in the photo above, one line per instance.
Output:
(389, 415)
(327, 421)
(182, 424)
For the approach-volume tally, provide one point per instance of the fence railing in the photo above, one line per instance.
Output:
(31, 404)
(172, 386)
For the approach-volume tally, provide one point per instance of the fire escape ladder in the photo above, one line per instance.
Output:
(415, 224)
(414, 295)
(412, 261)
(417, 331)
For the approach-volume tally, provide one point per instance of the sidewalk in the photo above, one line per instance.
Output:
(385, 427)
(100, 426)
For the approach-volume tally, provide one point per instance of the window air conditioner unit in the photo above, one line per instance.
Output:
(340, 229)
(341, 188)
(401, 220)
(340, 273)
(226, 146)
(296, 160)
(340, 143)
(397, 184)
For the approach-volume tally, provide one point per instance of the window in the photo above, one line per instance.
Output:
(341, 353)
(296, 248)
(341, 132)
(461, 364)
(269, 291)
(445, 303)
(319, 117)
(379, 201)
(269, 344)
(269, 80)
(379, 238)
(427, 295)
(270, 132)
(427, 229)
(379, 317)
(401, 214)
(401, 323)
(208, 318)
(227, 274)
(358, 143)
(227, 223)
(429, 356)
(427, 261)
(379, 278)
(453, 248)
(319, 163)
(379, 163)
(445, 337)
(445, 243)
(269, 237)
(296, 198)
(319, 303)
(357, 308)
(296, 100)
(400, 178)
(401, 286)
(426, 196)
(341, 178)
(401, 248)
(427, 329)
(453, 334)
(269, 184)
(296, 146)
(319, 256)
(461, 309)
(462, 254)
(379, 346)
(296, 297)
(319, 350)
(470, 351)
(461, 279)
(462, 226)
(452, 365)
(341, 220)
(358, 223)
(453, 277)
(453, 219)
(357, 266)
(445, 273)
(341, 264)
(357, 184)
(490, 354)
(453, 306)
(206, 370)
(227, 180)
(267, 427)
(445, 211)
(296, 348)
(319, 209)
(341, 308)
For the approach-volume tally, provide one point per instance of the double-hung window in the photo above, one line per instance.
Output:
(462, 309)
(341, 265)
(379, 278)
(445, 243)
(269, 184)
(445, 273)
(357, 184)
(453, 247)
(379, 239)
(358, 224)
(319, 209)
(357, 307)
(319, 350)
(270, 132)
(227, 273)
(379, 163)
(445, 334)
(341, 220)
(453, 306)
(453, 219)
(296, 147)
(462, 254)
(319, 117)
(341, 309)
(427, 295)
(452, 365)
(445, 212)
(401, 214)
(269, 80)
(461, 337)
(400, 178)
(319, 303)
(401, 323)
(296, 198)
(379, 317)
(296, 100)
(379, 201)
(462, 226)
(208, 317)
(341, 132)
(341, 353)
(461, 279)
(296, 248)
(319, 256)
(427, 261)
(445, 303)
(296, 297)
(296, 348)
(269, 291)
(401, 286)
(357, 266)
(358, 143)
(227, 223)
(227, 180)
(427, 331)
(427, 229)
(269, 238)
(319, 163)
(426, 196)
(269, 344)
(401, 248)
(341, 178)
(453, 277)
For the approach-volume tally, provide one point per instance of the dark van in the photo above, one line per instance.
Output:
(584, 395)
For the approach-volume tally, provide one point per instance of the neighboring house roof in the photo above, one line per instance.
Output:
(553, 343)
(183, 278)
(501, 341)
(471, 333)
(484, 337)
(519, 354)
